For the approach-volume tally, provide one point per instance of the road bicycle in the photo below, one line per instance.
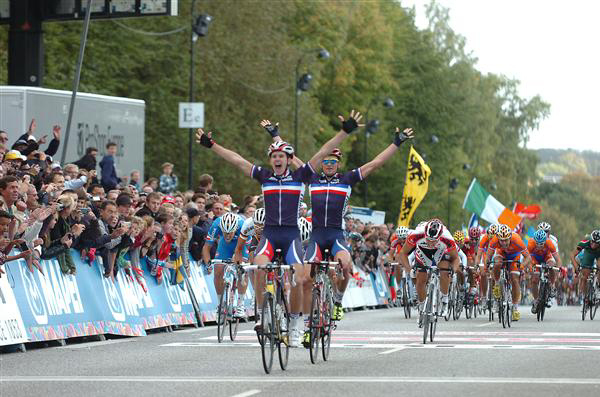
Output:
(505, 305)
(406, 288)
(321, 323)
(226, 317)
(590, 302)
(433, 302)
(274, 332)
(543, 299)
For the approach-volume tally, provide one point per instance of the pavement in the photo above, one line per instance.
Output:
(373, 352)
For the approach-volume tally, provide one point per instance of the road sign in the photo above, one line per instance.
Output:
(191, 114)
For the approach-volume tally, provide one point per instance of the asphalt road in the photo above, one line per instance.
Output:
(375, 352)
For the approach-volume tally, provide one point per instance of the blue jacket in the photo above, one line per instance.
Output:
(109, 173)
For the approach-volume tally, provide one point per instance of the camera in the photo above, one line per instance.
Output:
(84, 211)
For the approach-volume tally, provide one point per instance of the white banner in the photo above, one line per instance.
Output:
(12, 330)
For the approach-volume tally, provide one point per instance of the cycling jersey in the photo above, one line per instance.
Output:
(282, 194)
(589, 255)
(512, 252)
(395, 244)
(426, 256)
(541, 254)
(470, 248)
(554, 240)
(484, 243)
(329, 197)
(247, 229)
(225, 250)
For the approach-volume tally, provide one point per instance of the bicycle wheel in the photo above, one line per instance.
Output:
(315, 325)
(327, 324)
(433, 323)
(233, 321)
(458, 306)
(425, 315)
(542, 302)
(451, 301)
(222, 315)
(283, 321)
(508, 314)
(405, 299)
(584, 308)
(593, 310)
(267, 345)
(592, 301)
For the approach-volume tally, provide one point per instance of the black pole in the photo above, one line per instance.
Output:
(86, 25)
(191, 131)
(296, 103)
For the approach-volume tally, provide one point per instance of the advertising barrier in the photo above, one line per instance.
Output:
(50, 305)
(12, 330)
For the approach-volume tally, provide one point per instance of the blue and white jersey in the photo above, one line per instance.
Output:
(329, 197)
(225, 250)
(282, 194)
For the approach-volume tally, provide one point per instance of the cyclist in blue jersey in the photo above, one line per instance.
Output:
(225, 232)
(330, 191)
(283, 190)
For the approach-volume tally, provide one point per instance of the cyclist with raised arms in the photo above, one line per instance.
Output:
(434, 246)
(283, 190)
(225, 232)
(330, 192)
(542, 250)
(583, 257)
(508, 247)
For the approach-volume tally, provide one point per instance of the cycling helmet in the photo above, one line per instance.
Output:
(545, 226)
(504, 232)
(459, 237)
(281, 146)
(229, 222)
(305, 229)
(434, 229)
(474, 232)
(595, 236)
(402, 232)
(540, 236)
(355, 236)
(492, 230)
(259, 216)
(336, 153)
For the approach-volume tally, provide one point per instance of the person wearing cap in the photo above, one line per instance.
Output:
(13, 159)
(168, 181)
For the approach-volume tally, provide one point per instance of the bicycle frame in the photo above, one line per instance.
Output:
(432, 302)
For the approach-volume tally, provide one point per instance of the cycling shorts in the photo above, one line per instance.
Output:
(285, 238)
(325, 238)
(538, 259)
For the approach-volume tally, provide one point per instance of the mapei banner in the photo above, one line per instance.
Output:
(54, 305)
(12, 330)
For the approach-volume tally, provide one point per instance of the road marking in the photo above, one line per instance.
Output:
(96, 344)
(247, 393)
(484, 325)
(391, 346)
(441, 338)
(463, 333)
(397, 349)
(285, 379)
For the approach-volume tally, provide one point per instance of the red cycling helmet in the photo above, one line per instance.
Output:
(474, 232)
(434, 229)
(336, 153)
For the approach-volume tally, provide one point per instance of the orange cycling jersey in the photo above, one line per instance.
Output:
(512, 252)
(484, 242)
(543, 253)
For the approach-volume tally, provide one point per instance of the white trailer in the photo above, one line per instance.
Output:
(97, 120)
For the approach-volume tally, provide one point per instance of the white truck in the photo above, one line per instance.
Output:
(97, 120)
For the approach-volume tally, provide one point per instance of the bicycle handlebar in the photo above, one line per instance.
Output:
(550, 267)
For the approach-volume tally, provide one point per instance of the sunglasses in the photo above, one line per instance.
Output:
(329, 162)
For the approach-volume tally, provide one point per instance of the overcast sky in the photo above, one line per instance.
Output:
(550, 46)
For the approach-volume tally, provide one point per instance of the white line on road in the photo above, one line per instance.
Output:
(96, 344)
(397, 349)
(247, 393)
(285, 379)
(390, 346)
(484, 324)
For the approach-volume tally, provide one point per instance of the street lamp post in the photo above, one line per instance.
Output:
(302, 83)
(199, 29)
(372, 127)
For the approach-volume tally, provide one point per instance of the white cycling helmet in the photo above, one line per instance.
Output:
(402, 232)
(229, 222)
(281, 146)
(305, 229)
(545, 226)
(259, 216)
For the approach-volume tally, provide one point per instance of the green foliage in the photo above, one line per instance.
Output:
(245, 72)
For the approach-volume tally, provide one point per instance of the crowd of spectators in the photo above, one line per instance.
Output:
(49, 210)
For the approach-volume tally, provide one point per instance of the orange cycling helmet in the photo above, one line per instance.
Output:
(504, 232)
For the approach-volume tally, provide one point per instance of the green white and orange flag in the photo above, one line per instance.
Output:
(480, 202)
